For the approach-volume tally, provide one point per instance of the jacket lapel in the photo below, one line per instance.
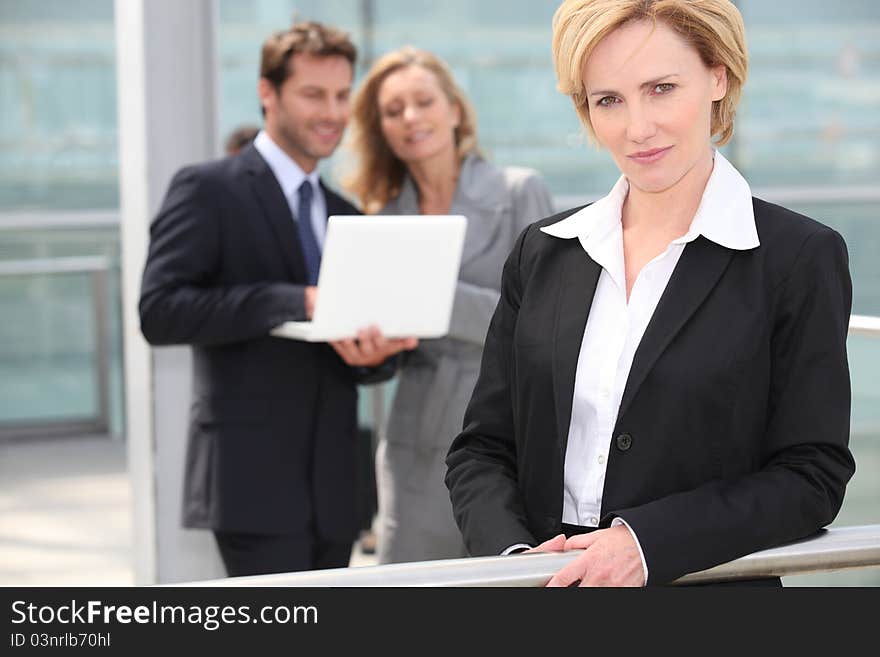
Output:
(701, 265)
(481, 195)
(335, 203)
(276, 211)
(578, 279)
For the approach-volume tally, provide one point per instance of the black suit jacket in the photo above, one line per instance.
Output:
(273, 421)
(733, 429)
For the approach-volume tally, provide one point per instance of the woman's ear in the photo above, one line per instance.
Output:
(456, 115)
(719, 82)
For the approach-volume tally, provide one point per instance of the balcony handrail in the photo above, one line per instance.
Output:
(821, 195)
(864, 325)
(50, 219)
(831, 549)
(63, 265)
(858, 324)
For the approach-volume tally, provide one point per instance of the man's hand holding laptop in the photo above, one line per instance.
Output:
(311, 299)
(370, 348)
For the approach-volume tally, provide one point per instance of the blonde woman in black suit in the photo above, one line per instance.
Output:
(664, 383)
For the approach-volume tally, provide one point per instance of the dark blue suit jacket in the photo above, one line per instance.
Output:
(273, 421)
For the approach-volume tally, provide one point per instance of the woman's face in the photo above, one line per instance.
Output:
(417, 118)
(650, 99)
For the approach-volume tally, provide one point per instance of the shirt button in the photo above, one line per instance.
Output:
(601, 459)
(594, 520)
(605, 393)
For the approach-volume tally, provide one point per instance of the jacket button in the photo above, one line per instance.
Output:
(624, 442)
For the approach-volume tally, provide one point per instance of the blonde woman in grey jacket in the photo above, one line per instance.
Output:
(414, 133)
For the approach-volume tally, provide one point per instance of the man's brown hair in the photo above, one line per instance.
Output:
(307, 37)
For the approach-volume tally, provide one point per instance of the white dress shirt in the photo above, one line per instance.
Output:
(290, 176)
(615, 327)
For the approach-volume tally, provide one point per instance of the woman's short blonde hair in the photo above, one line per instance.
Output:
(379, 173)
(713, 27)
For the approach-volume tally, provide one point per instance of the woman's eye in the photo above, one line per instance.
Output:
(663, 87)
(424, 102)
(607, 101)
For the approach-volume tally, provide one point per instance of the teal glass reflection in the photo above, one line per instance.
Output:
(57, 105)
(60, 332)
(47, 350)
(809, 116)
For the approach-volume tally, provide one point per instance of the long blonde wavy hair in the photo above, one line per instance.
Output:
(379, 173)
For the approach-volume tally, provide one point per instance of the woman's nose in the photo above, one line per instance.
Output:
(640, 126)
(410, 112)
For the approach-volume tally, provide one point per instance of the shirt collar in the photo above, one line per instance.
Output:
(725, 215)
(288, 173)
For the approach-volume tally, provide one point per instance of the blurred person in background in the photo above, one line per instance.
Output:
(415, 139)
(365, 489)
(665, 382)
(239, 138)
(235, 251)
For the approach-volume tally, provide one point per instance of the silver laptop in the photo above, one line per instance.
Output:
(395, 272)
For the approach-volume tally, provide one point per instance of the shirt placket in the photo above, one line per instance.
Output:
(597, 450)
(609, 393)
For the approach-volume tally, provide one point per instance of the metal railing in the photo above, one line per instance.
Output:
(98, 268)
(831, 549)
(787, 196)
(864, 325)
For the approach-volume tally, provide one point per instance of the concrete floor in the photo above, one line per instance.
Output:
(65, 514)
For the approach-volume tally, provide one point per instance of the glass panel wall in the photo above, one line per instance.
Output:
(60, 299)
(60, 341)
(49, 372)
(57, 105)
(809, 114)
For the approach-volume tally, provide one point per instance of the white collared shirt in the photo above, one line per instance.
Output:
(290, 176)
(615, 328)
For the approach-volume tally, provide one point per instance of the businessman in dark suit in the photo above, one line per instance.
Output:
(234, 251)
(664, 383)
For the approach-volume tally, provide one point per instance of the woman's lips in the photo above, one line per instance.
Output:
(650, 156)
(416, 137)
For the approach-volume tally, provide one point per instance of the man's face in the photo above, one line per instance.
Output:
(307, 115)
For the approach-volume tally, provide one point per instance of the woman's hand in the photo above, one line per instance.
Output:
(610, 558)
(555, 544)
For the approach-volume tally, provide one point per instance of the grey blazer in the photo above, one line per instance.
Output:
(436, 380)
